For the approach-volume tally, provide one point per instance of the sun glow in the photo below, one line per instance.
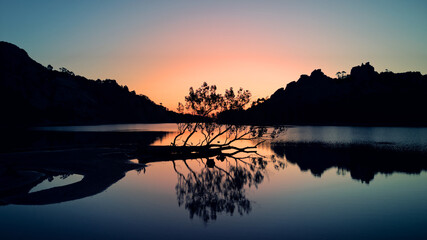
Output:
(160, 49)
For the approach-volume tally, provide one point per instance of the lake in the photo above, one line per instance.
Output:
(309, 183)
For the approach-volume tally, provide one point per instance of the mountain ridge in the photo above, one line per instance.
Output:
(364, 97)
(31, 94)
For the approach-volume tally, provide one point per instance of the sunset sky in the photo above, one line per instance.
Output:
(161, 48)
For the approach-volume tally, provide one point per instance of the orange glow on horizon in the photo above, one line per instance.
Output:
(168, 82)
(223, 52)
(161, 48)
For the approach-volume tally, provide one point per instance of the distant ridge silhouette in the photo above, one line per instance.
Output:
(31, 94)
(365, 97)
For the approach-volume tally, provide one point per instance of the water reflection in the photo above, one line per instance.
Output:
(212, 189)
(99, 174)
(100, 166)
(215, 184)
(229, 164)
(362, 161)
(215, 166)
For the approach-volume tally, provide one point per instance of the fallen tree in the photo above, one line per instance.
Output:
(208, 138)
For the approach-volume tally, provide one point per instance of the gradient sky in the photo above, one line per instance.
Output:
(161, 48)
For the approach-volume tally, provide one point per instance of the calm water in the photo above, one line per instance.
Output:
(314, 183)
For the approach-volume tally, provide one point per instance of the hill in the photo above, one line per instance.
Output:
(31, 94)
(365, 97)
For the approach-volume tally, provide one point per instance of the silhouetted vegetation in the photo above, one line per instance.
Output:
(64, 70)
(207, 137)
(365, 97)
(213, 189)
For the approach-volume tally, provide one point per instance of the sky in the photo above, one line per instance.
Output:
(161, 48)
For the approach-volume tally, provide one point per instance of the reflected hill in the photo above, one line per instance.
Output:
(24, 171)
(362, 161)
(100, 166)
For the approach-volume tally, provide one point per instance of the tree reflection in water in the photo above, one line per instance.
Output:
(214, 190)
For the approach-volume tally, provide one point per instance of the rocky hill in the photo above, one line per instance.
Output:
(364, 97)
(31, 94)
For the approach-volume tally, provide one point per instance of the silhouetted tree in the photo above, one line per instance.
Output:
(206, 102)
(258, 101)
(215, 189)
(64, 70)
